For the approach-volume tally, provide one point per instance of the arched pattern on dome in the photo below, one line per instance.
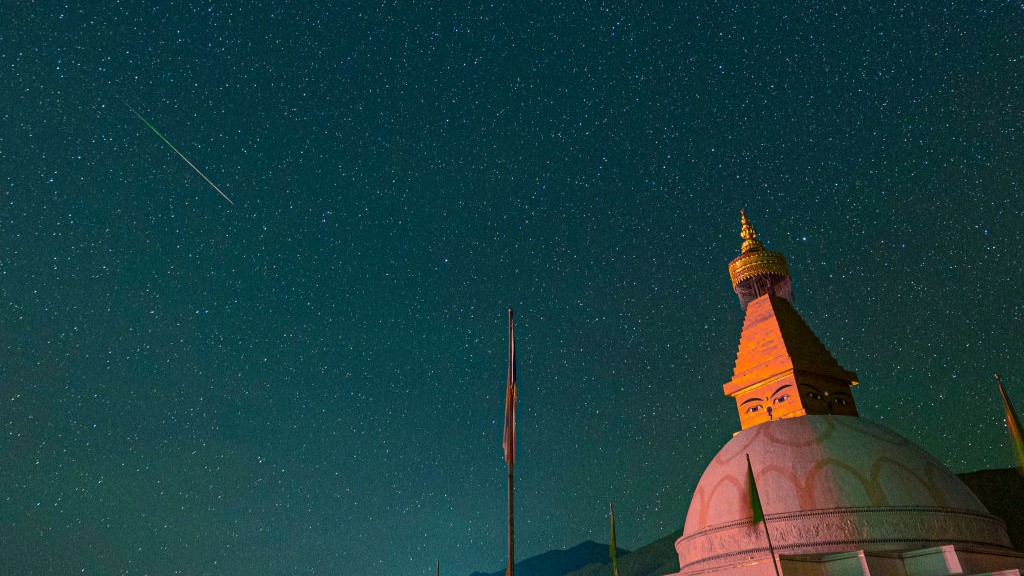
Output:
(825, 461)
(828, 476)
(861, 482)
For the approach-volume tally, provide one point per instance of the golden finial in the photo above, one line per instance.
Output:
(757, 271)
(749, 235)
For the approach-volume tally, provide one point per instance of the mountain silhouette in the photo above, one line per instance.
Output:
(561, 562)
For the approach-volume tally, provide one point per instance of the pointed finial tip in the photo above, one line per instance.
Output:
(749, 235)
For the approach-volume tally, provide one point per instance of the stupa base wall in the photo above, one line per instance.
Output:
(948, 560)
(722, 548)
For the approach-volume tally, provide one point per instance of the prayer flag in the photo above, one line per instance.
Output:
(612, 547)
(755, 499)
(508, 441)
(1013, 424)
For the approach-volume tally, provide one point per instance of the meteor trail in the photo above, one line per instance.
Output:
(198, 171)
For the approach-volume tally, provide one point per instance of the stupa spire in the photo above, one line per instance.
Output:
(756, 271)
(782, 369)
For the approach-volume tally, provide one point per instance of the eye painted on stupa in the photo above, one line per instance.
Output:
(840, 400)
(755, 405)
(813, 393)
(781, 394)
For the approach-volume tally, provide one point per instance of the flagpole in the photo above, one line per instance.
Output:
(771, 549)
(759, 511)
(511, 530)
(509, 439)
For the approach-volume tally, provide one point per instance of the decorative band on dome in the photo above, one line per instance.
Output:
(759, 263)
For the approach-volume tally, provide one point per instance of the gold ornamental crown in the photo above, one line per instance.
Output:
(754, 260)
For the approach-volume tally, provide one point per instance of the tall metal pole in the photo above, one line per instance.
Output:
(511, 530)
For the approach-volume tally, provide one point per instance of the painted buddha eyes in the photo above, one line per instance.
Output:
(781, 403)
(780, 396)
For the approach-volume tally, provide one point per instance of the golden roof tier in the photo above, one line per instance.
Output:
(757, 271)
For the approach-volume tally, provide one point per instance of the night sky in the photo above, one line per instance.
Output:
(311, 380)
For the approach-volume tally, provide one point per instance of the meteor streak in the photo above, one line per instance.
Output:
(198, 171)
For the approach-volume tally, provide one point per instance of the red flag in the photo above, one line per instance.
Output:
(508, 441)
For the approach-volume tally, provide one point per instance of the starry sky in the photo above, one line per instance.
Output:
(311, 380)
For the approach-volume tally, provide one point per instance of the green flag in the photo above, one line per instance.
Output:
(612, 547)
(1013, 424)
(758, 514)
(755, 499)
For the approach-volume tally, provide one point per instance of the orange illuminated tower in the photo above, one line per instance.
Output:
(782, 369)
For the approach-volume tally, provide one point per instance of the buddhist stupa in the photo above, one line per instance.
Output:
(840, 494)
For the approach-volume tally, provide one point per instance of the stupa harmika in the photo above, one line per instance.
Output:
(841, 495)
